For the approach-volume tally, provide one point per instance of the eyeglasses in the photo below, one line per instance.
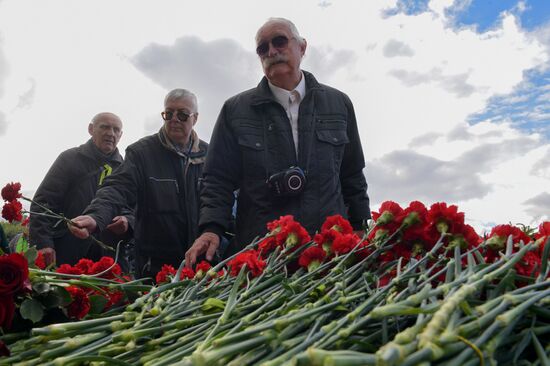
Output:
(180, 115)
(279, 42)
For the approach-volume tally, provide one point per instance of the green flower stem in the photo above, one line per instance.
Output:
(315, 356)
(173, 351)
(85, 359)
(211, 357)
(468, 329)
(71, 344)
(60, 329)
(475, 282)
(506, 320)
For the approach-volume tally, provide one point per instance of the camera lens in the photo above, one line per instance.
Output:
(294, 182)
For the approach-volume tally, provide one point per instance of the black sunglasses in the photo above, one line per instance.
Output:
(278, 42)
(180, 115)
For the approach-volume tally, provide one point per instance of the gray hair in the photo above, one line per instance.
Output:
(288, 23)
(98, 117)
(181, 94)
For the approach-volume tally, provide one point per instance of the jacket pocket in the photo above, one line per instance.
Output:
(162, 195)
(332, 138)
(251, 143)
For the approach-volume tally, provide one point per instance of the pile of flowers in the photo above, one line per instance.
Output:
(418, 287)
(30, 295)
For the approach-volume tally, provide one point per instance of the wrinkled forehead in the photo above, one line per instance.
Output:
(272, 29)
(108, 120)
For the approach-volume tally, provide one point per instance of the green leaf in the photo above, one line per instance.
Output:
(32, 310)
(41, 287)
(213, 305)
(22, 245)
(63, 295)
(97, 304)
(31, 253)
(52, 300)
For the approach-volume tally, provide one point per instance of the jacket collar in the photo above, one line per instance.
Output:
(196, 155)
(262, 93)
(90, 150)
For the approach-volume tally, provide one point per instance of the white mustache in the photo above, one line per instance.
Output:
(270, 61)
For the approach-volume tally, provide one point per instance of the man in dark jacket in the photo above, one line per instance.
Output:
(160, 175)
(70, 185)
(290, 145)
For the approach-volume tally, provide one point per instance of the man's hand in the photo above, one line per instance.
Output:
(119, 225)
(82, 226)
(49, 255)
(206, 243)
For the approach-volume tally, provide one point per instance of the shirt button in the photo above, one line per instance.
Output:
(258, 144)
(334, 139)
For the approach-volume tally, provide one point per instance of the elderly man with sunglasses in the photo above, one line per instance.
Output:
(290, 146)
(159, 176)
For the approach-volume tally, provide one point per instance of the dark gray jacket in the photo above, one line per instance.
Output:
(68, 187)
(252, 139)
(163, 186)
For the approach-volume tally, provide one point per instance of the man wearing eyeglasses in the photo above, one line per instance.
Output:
(160, 176)
(290, 145)
(68, 188)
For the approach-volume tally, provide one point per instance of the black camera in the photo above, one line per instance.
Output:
(290, 182)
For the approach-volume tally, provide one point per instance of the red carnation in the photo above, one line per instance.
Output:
(11, 191)
(187, 273)
(12, 211)
(443, 218)
(165, 274)
(529, 265)
(106, 264)
(284, 233)
(202, 268)
(40, 262)
(311, 258)
(14, 272)
(389, 210)
(267, 245)
(543, 235)
(465, 236)
(68, 269)
(325, 240)
(276, 225)
(254, 264)
(7, 310)
(414, 215)
(114, 297)
(338, 223)
(85, 265)
(80, 305)
(345, 243)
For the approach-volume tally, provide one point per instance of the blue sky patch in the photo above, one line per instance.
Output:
(527, 108)
(483, 14)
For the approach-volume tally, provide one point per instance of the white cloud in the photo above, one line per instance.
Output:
(3, 123)
(27, 98)
(395, 48)
(539, 206)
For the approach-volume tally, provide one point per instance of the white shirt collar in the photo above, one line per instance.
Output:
(282, 95)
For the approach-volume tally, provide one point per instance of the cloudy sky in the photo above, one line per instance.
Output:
(452, 97)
